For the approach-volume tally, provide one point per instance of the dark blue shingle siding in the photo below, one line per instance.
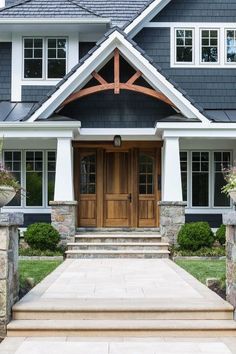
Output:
(210, 88)
(126, 110)
(5, 72)
(198, 11)
(35, 93)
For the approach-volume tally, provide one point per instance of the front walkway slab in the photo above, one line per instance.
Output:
(120, 282)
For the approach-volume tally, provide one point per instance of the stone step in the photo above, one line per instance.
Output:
(118, 328)
(117, 246)
(117, 254)
(125, 230)
(129, 309)
(117, 238)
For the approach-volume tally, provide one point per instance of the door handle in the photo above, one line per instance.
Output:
(130, 198)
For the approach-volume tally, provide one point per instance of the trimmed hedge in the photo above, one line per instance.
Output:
(194, 236)
(221, 235)
(42, 236)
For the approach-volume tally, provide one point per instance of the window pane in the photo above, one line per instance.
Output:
(231, 46)
(88, 174)
(184, 46)
(33, 62)
(51, 170)
(200, 179)
(146, 174)
(184, 174)
(200, 189)
(209, 48)
(33, 68)
(12, 161)
(56, 68)
(56, 58)
(34, 178)
(221, 160)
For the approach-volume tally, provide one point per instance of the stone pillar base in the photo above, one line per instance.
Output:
(9, 280)
(64, 218)
(172, 217)
(230, 221)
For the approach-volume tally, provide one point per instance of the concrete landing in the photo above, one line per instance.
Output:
(161, 345)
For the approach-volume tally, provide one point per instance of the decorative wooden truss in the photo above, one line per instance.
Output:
(116, 85)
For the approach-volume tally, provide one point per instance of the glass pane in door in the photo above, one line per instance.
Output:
(146, 174)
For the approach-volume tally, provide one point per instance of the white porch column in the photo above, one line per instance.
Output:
(172, 185)
(64, 207)
(64, 189)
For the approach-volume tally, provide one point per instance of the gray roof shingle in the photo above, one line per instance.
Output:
(47, 9)
(121, 12)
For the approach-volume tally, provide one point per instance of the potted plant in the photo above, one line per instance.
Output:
(9, 186)
(230, 187)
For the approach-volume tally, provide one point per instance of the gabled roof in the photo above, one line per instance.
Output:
(79, 75)
(127, 14)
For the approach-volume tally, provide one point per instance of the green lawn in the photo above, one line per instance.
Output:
(36, 269)
(204, 269)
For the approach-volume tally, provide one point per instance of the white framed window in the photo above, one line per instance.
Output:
(202, 178)
(230, 46)
(35, 170)
(33, 58)
(213, 45)
(184, 50)
(209, 46)
(44, 58)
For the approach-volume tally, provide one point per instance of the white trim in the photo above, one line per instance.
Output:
(16, 64)
(150, 73)
(229, 25)
(149, 12)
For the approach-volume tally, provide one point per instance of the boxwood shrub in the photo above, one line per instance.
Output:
(194, 236)
(42, 236)
(220, 235)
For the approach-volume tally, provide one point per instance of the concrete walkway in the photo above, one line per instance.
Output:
(147, 305)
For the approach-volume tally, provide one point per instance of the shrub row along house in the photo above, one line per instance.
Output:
(116, 106)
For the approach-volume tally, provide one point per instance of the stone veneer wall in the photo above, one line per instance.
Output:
(9, 282)
(172, 217)
(230, 221)
(64, 218)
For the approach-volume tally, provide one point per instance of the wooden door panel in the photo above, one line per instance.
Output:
(116, 190)
(147, 212)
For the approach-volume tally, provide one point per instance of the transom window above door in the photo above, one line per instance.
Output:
(44, 58)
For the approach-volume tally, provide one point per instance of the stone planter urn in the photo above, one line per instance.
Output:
(232, 195)
(6, 195)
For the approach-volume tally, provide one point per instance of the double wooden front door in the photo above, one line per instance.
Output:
(117, 187)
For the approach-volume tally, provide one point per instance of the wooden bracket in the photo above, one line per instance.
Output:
(116, 86)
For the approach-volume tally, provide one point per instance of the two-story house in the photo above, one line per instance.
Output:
(118, 105)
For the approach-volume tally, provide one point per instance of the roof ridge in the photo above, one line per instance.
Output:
(21, 2)
(84, 8)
